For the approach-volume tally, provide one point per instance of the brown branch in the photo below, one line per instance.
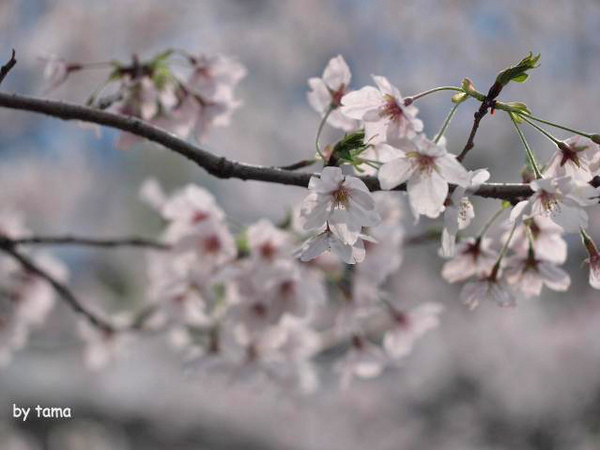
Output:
(8, 66)
(299, 165)
(90, 242)
(488, 102)
(219, 167)
(7, 247)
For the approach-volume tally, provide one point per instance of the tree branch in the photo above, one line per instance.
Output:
(90, 242)
(7, 247)
(7, 67)
(488, 102)
(219, 167)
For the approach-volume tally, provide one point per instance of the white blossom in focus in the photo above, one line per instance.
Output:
(573, 158)
(459, 211)
(427, 168)
(342, 201)
(327, 92)
(561, 199)
(382, 109)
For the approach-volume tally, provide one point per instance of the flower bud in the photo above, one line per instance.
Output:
(595, 138)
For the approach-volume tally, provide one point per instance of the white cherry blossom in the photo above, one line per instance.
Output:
(363, 360)
(427, 168)
(472, 257)
(382, 109)
(527, 273)
(342, 201)
(561, 199)
(327, 92)
(492, 288)
(548, 242)
(573, 158)
(328, 241)
(459, 210)
(409, 326)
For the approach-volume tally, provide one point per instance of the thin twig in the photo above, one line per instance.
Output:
(91, 242)
(299, 165)
(488, 102)
(60, 288)
(8, 66)
(219, 167)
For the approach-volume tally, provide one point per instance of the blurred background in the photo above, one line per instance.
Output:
(525, 378)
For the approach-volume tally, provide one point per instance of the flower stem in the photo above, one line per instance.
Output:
(446, 123)
(490, 222)
(541, 130)
(528, 151)
(320, 129)
(412, 98)
(494, 273)
(555, 125)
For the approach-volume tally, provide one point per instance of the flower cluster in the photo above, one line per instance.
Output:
(267, 299)
(185, 104)
(394, 145)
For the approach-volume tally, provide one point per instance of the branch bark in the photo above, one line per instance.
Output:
(7, 67)
(217, 166)
(90, 242)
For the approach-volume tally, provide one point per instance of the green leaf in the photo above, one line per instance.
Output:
(521, 78)
(518, 72)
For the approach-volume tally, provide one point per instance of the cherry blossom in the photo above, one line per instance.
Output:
(268, 243)
(326, 93)
(459, 211)
(103, 346)
(490, 287)
(561, 199)
(363, 360)
(573, 158)
(548, 242)
(527, 273)
(342, 201)
(409, 326)
(384, 112)
(472, 257)
(427, 168)
(328, 241)
(593, 260)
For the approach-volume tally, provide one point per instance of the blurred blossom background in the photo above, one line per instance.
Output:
(524, 378)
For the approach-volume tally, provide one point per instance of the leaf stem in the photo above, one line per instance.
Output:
(320, 129)
(412, 98)
(528, 151)
(446, 123)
